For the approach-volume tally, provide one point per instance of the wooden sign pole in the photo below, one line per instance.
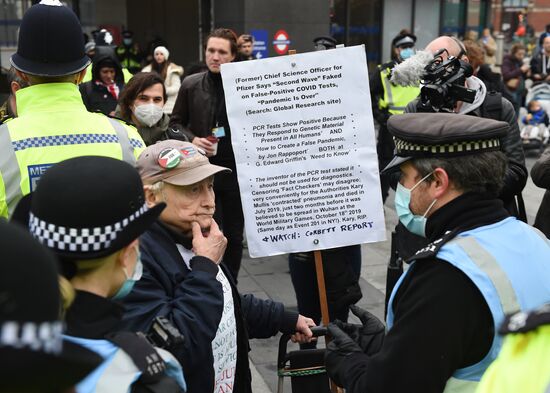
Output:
(325, 317)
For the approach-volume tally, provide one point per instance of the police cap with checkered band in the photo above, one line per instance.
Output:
(87, 208)
(442, 135)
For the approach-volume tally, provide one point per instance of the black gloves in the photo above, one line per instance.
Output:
(338, 349)
(370, 335)
(349, 339)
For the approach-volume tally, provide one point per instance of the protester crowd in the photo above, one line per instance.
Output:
(120, 185)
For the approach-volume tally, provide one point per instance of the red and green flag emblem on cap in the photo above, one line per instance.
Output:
(188, 151)
(169, 158)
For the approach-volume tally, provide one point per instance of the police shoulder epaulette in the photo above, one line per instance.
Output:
(5, 119)
(389, 64)
(432, 249)
(522, 322)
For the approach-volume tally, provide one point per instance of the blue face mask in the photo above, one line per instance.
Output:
(128, 284)
(406, 53)
(414, 223)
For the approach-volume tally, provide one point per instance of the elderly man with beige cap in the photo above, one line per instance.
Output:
(184, 281)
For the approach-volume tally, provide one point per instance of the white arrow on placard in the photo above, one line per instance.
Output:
(259, 55)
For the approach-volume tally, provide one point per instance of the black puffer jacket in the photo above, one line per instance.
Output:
(95, 95)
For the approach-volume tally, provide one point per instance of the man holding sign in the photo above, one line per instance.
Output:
(481, 263)
(199, 113)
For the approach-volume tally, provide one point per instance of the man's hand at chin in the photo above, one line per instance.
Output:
(211, 244)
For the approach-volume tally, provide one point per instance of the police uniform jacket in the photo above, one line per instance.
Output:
(193, 301)
(94, 322)
(53, 125)
(441, 322)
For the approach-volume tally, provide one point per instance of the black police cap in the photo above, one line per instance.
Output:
(325, 42)
(407, 39)
(442, 135)
(51, 42)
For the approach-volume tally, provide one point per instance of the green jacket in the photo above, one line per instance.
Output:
(54, 125)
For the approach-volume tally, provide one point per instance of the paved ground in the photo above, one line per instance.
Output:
(270, 278)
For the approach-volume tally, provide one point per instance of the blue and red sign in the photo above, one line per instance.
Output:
(259, 50)
(281, 42)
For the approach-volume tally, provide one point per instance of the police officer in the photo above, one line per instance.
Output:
(34, 356)
(390, 99)
(128, 54)
(523, 364)
(481, 263)
(93, 227)
(53, 123)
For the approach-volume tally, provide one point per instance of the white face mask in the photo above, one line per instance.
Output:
(148, 114)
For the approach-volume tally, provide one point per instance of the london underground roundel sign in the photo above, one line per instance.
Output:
(281, 42)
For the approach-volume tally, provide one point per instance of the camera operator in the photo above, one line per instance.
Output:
(488, 105)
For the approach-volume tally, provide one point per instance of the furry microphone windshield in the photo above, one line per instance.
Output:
(410, 71)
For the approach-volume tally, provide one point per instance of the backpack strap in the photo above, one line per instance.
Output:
(491, 108)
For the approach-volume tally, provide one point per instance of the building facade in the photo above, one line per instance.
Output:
(279, 25)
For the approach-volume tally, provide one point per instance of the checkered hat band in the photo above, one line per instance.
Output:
(405, 148)
(63, 238)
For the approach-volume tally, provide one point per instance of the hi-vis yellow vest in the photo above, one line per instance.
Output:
(396, 97)
(523, 364)
(54, 125)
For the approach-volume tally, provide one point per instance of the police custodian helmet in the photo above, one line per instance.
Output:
(51, 42)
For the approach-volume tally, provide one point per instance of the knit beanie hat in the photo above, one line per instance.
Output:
(163, 50)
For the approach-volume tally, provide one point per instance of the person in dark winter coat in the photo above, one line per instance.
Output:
(540, 67)
(102, 92)
(540, 173)
(184, 281)
(514, 73)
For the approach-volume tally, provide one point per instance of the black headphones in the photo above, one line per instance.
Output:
(461, 46)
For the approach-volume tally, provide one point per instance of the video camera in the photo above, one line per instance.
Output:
(163, 334)
(443, 82)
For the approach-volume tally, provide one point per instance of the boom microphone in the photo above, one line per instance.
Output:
(410, 71)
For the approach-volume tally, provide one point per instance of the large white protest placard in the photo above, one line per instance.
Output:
(304, 142)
